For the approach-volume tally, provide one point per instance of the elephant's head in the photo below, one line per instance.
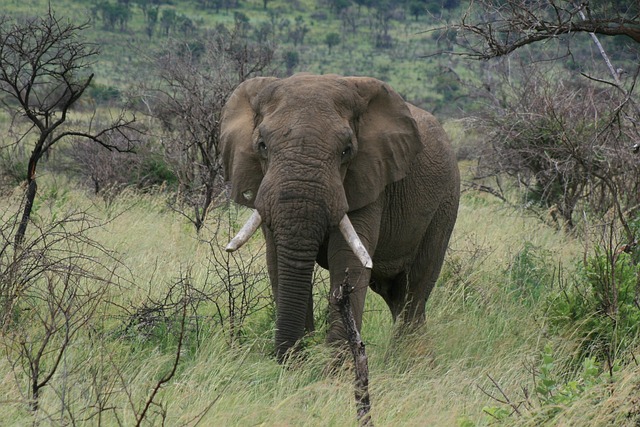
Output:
(304, 151)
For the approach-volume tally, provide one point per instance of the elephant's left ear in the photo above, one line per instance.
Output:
(241, 165)
(388, 141)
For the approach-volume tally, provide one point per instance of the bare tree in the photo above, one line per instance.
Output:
(196, 80)
(44, 71)
(569, 140)
(557, 138)
(493, 28)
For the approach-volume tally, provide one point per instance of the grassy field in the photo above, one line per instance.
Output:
(485, 333)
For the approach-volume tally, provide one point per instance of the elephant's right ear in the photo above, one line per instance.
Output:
(239, 160)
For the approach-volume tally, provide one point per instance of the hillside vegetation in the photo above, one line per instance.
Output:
(121, 306)
(386, 42)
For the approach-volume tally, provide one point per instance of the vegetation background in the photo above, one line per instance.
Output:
(122, 308)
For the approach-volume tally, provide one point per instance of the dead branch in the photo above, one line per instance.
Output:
(363, 403)
(484, 189)
(492, 28)
(505, 399)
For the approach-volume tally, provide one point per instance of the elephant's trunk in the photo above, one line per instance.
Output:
(299, 225)
(295, 271)
(295, 274)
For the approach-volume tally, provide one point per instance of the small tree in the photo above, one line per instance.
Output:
(168, 20)
(195, 82)
(332, 39)
(291, 60)
(299, 32)
(44, 71)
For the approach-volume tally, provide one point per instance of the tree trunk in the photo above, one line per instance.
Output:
(32, 188)
(26, 214)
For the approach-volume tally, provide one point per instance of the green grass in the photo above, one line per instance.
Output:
(475, 328)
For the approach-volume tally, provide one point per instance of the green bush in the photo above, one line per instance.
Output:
(601, 308)
(154, 170)
(553, 391)
(102, 94)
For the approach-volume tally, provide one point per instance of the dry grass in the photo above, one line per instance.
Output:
(476, 330)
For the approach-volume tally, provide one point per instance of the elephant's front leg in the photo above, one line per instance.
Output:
(366, 222)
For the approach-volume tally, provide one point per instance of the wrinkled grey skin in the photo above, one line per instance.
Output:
(307, 149)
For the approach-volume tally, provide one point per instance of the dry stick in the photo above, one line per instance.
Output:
(506, 400)
(612, 70)
(363, 404)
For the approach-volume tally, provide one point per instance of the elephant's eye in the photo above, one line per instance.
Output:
(262, 148)
(346, 153)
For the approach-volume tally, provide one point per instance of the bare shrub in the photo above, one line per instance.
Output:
(158, 320)
(570, 137)
(108, 172)
(233, 288)
(171, 313)
(50, 289)
(195, 81)
(564, 142)
(237, 280)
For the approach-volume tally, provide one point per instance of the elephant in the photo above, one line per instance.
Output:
(343, 172)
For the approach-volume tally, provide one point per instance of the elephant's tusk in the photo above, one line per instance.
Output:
(245, 233)
(354, 242)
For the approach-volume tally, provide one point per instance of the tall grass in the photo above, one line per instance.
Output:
(478, 328)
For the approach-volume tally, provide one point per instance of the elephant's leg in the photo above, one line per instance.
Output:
(425, 269)
(359, 280)
(272, 267)
(366, 222)
(394, 293)
(309, 322)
